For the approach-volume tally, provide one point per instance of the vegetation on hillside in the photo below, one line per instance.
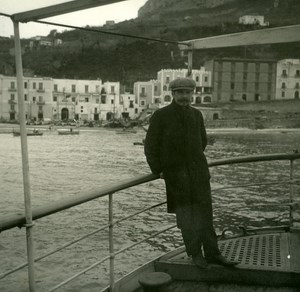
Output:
(90, 55)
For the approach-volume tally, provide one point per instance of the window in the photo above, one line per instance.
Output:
(205, 79)
(167, 98)
(283, 86)
(12, 97)
(131, 104)
(245, 76)
(55, 87)
(86, 99)
(112, 89)
(12, 107)
(165, 88)
(167, 79)
(142, 102)
(232, 85)
(25, 85)
(34, 85)
(97, 100)
(284, 73)
(40, 98)
(86, 88)
(136, 111)
(40, 85)
(297, 73)
(40, 108)
(197, 78)
(244, 97)
(12, 85)
(25, 97)
(297, 85)
(73, 98)
(33, 98)
(73, 89)
(97, 88)
(256, 97)
(155, 88)
(282, 94)
(103, 99)
(112, 101)
(54, 98)
(296, 95)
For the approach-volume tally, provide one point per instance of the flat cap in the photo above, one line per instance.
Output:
(182, 83)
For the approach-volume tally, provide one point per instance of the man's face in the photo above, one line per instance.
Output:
(183, 97)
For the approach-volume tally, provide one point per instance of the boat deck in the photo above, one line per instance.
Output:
(264, 259)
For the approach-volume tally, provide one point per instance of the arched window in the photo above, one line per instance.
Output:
(165, 88)
(198, 99)
(207, 99)
(167, 98)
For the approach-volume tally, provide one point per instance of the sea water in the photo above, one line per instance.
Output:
(63, 166)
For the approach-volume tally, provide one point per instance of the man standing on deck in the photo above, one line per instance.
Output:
(174, 145)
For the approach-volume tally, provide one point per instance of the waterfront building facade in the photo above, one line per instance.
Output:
(202, 78)
(288, 79)
(37, 96)
(129, 106)
(242, 79)
(60, 99)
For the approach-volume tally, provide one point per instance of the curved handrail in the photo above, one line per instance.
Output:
(12, 221)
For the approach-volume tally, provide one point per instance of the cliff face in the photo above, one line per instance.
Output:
(154, 6)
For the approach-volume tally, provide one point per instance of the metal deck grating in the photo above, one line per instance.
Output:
(260, 251)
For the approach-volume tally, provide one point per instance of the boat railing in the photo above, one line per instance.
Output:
(20, 220)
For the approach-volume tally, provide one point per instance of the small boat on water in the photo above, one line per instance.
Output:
(70, 131)
(29, 133)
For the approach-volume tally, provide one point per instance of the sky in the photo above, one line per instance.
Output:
(94, 17)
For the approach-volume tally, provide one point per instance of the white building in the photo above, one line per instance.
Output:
(253, 19)
(61, 99)
(129, 106)
(37, 97)
(288, 79)
(202, 78)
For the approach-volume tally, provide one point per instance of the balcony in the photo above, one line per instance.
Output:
(40, 90)
(12, 89)
(284, 75)
(143, 94)
(40, 102)
(12, 101)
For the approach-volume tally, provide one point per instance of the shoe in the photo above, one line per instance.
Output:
(199, 261)
(220, 260)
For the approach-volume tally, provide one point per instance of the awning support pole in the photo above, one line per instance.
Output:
(25, 162)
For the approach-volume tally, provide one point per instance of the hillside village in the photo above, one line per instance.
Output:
(231, 91)
(220, 82)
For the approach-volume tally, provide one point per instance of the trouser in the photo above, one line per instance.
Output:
(195, 239)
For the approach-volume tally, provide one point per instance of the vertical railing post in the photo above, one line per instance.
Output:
(291, 191)
(25, 162)
(111, 246)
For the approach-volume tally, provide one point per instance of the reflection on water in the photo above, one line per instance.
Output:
(62, 166)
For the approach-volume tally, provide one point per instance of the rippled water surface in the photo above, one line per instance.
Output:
(63, 166)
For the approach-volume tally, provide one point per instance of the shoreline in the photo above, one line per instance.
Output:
(9, 128)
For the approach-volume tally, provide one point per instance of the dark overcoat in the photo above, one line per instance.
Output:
(174, 145)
